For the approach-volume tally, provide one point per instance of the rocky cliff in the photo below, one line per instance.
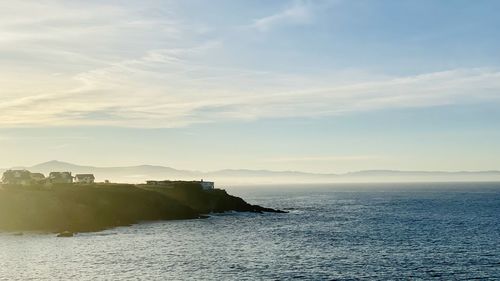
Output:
(83, 208)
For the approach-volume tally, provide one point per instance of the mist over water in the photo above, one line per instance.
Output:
(442, 231)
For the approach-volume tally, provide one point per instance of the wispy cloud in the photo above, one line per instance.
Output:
(107, 66)
(159, 90)
(298, 13)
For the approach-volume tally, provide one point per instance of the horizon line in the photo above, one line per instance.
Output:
(263, 170)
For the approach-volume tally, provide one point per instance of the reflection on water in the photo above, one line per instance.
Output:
(446, 232)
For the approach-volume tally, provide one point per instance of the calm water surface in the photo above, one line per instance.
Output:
(340, 232)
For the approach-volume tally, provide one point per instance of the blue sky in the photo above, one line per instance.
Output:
(319, 86)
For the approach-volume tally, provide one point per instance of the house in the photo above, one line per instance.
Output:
(19, 177)
(85, 178)
(22, 177)
(207, 185)
(60, 177)
(163, 182)
(37, 178)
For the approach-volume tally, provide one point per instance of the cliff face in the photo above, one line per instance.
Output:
(204, 202)
(81, 208)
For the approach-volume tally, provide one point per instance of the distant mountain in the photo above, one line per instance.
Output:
(55, 165)
(360, 176)
(132, 174)
(141, 173)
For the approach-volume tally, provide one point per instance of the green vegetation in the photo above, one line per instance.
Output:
(82, 208)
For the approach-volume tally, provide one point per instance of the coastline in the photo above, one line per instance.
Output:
(95, 207)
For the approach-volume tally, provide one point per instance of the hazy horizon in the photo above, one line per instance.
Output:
(236, 168)
(312, 86)
(232, 177)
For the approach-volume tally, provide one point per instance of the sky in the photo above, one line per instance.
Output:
(316, 86)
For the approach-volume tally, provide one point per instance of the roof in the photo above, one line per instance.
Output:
(17, 174)
(60, 173)
(85, 176)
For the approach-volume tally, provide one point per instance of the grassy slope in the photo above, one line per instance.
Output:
(80, 208)
(84, 208)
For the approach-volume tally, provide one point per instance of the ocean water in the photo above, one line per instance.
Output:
(337, 232)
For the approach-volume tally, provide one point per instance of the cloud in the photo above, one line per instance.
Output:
(299, 13)
(167, 88)
(105, 66)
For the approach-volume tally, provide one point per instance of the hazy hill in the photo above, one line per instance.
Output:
(132, 174)
(138, 174)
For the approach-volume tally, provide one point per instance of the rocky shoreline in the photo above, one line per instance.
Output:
(68, 209)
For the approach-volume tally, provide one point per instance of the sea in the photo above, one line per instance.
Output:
(424, 231)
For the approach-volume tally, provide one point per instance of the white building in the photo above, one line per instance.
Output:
(60, 177)
(207, 185)
(85, 178)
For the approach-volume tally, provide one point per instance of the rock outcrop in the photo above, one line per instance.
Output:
(77, 208)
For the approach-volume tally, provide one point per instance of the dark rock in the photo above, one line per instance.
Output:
(76, 208)
(268, 210)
